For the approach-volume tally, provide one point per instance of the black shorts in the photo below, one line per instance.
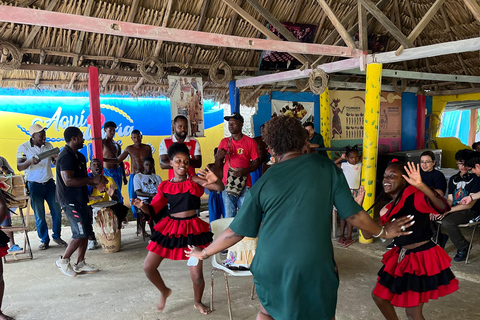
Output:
(80, 220)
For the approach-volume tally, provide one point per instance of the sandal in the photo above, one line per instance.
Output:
(43, 246)
(348, 242)
(341, 240)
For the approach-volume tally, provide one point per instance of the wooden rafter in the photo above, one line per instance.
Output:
(123, 44)
(337, 24)
(78, 46)
(423, 23)
(260, 27)
(388, 73)
(39, 73)
(297, 11)
(473, 6)
(362, 28)
(33, 33)
(233, 23)
(387, 23)
(453, 38)
(158, 46)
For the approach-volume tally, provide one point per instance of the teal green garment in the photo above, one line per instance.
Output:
(318, 139)
(294, 268)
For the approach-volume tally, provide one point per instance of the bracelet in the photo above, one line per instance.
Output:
(381, 231)
(471, 197)
(205, 252)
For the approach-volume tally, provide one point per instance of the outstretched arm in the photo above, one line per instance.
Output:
(225, 240)
(207, 179)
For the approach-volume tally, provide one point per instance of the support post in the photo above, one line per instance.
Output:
(234, 97)
(325, 126)
(473, 126)
(95, 115)
(421, 99)
(370, 136)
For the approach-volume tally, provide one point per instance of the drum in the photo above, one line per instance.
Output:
(106, 226)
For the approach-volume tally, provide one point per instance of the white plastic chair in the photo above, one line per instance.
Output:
(218, 226)
(474, 225)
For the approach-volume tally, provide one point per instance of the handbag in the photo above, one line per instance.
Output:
(235, 185)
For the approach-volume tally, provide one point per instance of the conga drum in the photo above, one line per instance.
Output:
(106, 226)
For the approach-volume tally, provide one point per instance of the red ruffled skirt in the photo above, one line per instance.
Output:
(173, 235)
(423, 274)
(4, 239)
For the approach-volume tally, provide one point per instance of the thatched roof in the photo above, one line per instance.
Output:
(58, 47)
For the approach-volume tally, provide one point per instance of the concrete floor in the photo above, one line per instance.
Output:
(35, 289)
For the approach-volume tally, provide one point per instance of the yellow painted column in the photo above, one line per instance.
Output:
(325, 126)
(370, 136)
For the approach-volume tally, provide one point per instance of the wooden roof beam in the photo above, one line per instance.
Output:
(260, 27)
(33, 33)
(39, 73)
(388, 73)
(362, 27)
(337, 24)
(156, 53)
(233, 22)
(473, 6)
(123, 44)
(297, 10)
(79, 44)
(423, 23)
(135, 30)
(391, 28)
(198, 27)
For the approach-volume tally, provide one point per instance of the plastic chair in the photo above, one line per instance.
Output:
(218, 226)
(465, 225)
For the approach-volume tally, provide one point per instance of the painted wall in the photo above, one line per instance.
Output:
(20, 109)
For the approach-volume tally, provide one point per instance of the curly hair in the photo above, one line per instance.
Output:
(177, 148)
(284, 134)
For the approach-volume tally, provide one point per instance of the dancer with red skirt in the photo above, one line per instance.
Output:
(417, 269)
(181, 227)
(4, 199)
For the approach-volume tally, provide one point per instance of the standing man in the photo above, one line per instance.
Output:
(40, 184)
(241, 154)
(112, 149)
(315, 139)
(180, 134)
(72, 195)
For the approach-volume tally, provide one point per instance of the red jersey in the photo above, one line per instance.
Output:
(193, 150)
(242, 152)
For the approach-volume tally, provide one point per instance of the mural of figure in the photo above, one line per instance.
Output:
(182, 107)
(192, 110)
(336, 121)
(384, 119)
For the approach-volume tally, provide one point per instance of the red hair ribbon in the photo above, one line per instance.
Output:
(394, 160)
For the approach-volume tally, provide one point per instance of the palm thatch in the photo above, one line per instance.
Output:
(69, 49)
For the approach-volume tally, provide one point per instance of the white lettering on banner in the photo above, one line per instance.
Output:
(57, 120)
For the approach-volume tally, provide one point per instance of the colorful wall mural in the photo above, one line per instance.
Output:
(58, 110)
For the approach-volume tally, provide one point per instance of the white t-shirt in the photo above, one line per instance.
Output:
(42, 171)
(163, 147)
(353, 173)
(146, 183)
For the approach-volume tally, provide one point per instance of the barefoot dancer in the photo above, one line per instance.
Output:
(4, 211)
(181, 227)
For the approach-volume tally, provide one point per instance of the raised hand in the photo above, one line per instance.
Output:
(207, 175)
(413, 176)
(360, 195)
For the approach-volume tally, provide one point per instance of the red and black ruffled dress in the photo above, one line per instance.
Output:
(411, 277)
(4, 239)
(172, 235)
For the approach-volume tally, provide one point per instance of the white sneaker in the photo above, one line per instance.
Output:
(92, 245)
(64, 266)
(84, 267)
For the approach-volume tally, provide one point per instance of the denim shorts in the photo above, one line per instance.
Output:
(80, 220)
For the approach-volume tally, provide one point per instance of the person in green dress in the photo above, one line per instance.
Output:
(294, 269)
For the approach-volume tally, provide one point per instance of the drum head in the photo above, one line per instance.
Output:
(104, 204)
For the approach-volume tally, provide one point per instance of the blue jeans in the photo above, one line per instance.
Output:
(132, 194)
(232, 203)
(39, 193)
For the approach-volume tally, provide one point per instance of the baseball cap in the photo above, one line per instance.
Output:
(35, 128)
(236, 116)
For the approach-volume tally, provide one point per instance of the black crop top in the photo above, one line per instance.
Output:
(414, 202)
(177, 196)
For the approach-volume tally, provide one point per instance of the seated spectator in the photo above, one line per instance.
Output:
(5, 168)
(461, 185)
(216, 209)
(146, 183)
(109, 193)
(8, 223)
(436, 180)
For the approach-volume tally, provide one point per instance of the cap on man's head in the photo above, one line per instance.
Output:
(109, 124)
(35, 128)
(236, 116)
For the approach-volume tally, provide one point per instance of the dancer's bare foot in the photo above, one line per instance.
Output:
(163, 300)
(202, 308)
(5, 317)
